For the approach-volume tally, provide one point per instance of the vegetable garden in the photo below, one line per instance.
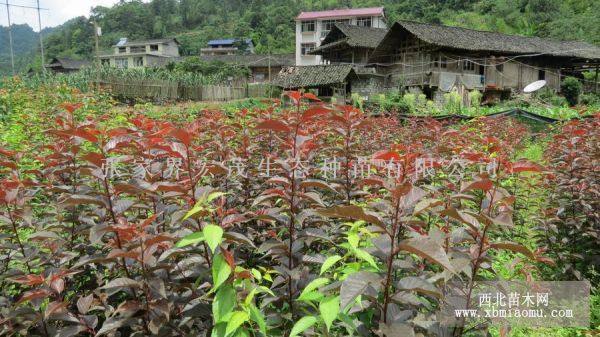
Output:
(293, 218)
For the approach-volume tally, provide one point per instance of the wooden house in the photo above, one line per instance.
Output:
(327, 80)
(263, 68)
(66, 65)
(436, 59)
(353, 45)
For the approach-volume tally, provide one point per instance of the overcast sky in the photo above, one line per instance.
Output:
(59, 11)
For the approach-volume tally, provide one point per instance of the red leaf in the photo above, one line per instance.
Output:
(183, 136)
(33, 294)
(229, 258)
(30, 280)
(311, 96)
(7, 153)
(483, 184)
(294, 95)
(273, 125)
(524, 166)
(71, 107)
(314, 112)
(58, 284)
(81, 133)
(387, 155)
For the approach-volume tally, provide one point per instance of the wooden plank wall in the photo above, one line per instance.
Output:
(172, 90)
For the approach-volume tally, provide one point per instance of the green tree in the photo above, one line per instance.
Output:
(571, 88)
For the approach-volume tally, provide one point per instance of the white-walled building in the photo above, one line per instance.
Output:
(138, 54)
(312, 27)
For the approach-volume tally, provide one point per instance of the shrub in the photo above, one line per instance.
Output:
(452, 102)
(174, 227)
(590, 99)
(475, 98)
(571, 88)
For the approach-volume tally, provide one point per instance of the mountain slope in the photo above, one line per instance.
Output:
(270, 23)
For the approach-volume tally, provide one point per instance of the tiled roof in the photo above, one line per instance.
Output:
(474, 40)
(145, 42)
(254, 60)
(67, 63)
(353, 36)
(312, 76)
(373, 11)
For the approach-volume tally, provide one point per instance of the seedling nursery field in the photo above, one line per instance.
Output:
(282, 217)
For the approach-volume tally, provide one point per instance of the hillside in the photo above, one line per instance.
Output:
(25, 41)
(25, 46)
(270, 22)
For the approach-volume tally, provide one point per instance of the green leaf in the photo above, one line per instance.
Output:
(213, 195)
(213, 235)
(314, 284)
(191, 239)
(303, 324)
(218, 330)
(220, 271)
(257, 275)
(202, 203)
(197, 208)
(353, 239)
(330, 261)
(259, 318)
(311, 296)
(223, 303)
(237, 319)
(329, 309)
(361, 254)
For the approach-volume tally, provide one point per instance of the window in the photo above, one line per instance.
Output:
(259, 77)
(541, 74)
(327, 25)
(307, 47)
(468, 65)
(308, 26)
(443, 63)
(364, 21)
(500, 67)
(121, 63)
(137, 49)
(122, 50)
(153, 47)
(138, 61)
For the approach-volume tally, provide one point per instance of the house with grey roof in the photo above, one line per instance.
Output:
(263, 68)
(434, 59)
(327, 80)
(228, 47)
(138, 54)
(353, 45)
(66, 65)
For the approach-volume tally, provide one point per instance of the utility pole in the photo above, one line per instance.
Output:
(41, 38)
(10, 40)
(39, 25)
(96, 33)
